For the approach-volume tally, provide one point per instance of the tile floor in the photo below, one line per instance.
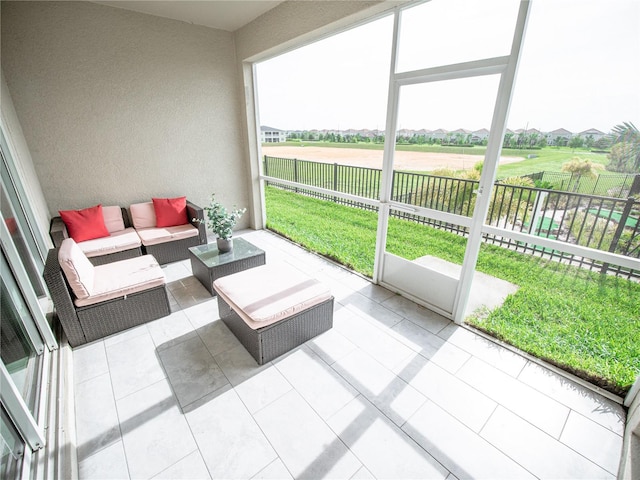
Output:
(392, 391)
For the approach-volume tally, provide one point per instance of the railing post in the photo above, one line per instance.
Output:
(595, 185)
(335, 181)
(619, 231)
(266, 166)
(635, 185)
(295, 172)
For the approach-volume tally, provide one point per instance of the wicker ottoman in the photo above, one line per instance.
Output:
(272, 310)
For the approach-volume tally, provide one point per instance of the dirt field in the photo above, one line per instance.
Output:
(415, 161)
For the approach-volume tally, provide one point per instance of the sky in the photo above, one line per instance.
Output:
(579, 69)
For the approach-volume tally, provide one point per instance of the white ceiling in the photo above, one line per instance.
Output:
(224, 15)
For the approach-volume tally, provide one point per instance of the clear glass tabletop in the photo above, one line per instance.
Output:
(209, 255)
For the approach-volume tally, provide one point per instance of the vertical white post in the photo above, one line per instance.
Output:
(492, 156)
(389, 150)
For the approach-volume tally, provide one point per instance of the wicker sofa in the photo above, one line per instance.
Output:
(93, 302)
(131, 237)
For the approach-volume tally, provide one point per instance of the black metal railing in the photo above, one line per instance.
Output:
(619, 185)
(601, 222)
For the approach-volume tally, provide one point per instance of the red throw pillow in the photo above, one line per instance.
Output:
(170, 211)
(85, 224)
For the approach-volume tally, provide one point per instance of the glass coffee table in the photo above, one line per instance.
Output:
(208, 264)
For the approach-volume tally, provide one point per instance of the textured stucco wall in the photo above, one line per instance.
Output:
(118, 106)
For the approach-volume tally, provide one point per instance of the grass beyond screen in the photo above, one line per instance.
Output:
(582, 321)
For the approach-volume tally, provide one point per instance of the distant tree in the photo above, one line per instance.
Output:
(579, 168)
(506, 143)
(576, 142)
(602, 143)
(625, 153)
(589, 141)
(621, 159)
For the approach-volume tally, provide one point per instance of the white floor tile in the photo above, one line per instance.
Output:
(593, 406)
(304, 442)
(419, 315)
(319, 384)
(484, 349)
(541, 454)
(393, 396)
(191, 467)
(274, 471)
(381, 446)
(465, 403)
(154, 430)
(217, 337)
(97, 423)
(238, 365)
(170, 330)
(203, 313)
(431, 346)
(373, 340)
(192, 371)
(89, 361)
(595, 442)
(458, 448)
(262, 389)
(526, 402)
(107, 464)
(371, 310)
(331, 346)
(134, 364)
(229, 439)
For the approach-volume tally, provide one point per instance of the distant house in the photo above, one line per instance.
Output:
(592, 132)
(403, 132)
(479, 135)
(559, 133)
(272, 135)
(440, 133)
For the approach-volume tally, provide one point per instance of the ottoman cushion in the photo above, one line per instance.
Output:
(268, 294)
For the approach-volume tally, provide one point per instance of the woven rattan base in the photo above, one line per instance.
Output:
(265, 344)
(113, 316)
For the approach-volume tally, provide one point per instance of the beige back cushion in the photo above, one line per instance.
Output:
(113, 218)
(143, 215)
(77, 268)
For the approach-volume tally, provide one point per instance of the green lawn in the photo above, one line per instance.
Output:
(584, 322)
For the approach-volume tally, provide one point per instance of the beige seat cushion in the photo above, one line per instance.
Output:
(125, 277)
(113, 218)
(268, 294)
(143, 215)
(76, 268)
(116, 242)
(154, 236)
